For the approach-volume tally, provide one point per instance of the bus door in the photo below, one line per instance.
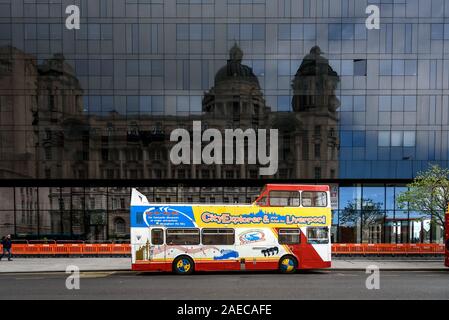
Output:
(157, 249)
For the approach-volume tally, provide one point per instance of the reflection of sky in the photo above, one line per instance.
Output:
(385, 196)
(375, 194)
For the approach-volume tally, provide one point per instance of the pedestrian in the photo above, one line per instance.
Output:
(6, 243)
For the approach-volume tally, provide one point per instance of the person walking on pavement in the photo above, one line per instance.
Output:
(6, 243)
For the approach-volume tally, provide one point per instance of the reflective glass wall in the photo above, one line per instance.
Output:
(101, 101)
(369, 213)
(365, 213)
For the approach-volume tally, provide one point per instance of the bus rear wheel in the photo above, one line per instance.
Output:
(288, 264)
(183, 265)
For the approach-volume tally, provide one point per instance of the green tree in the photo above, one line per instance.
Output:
(352, 213)
(428, 194)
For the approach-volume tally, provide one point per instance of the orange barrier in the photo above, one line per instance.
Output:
(58, 249)
(61, 249)
(369, 248)
(104, 249)
(74, 248)
(89, 249)
(121, 249)
(387, 249)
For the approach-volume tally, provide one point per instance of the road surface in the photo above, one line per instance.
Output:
(330, 284)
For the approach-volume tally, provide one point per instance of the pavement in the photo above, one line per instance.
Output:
(24, 265)
(36, 265)
(322, 284)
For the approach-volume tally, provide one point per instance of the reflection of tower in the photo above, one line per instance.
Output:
(237, 95)
(38, 106)
(235, 101)
(315, 103)
(59, 112)
(18, 104)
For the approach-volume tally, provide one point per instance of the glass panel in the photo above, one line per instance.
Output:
(56, 213)
(314, 199)
(217, 236)
(390, 235)
(390, 196)
(157, 236)
(7, 214)
(284, 198)
(80, 225)
(27, 213)
(401, 227)
(374, 195)
(437, 32)
(384, 139)
(183, 236)
(373, 206)
(398, 191)
(350, 215)
(409, 138)
(396, 138)
(426, 229)
(96, 219)
(438, 233)
(318, 235)
(360, 68)
(289, 236)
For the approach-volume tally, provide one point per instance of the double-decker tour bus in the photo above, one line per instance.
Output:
(286, 228)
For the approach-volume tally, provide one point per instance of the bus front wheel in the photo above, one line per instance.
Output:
(288, 264)
(183, 265)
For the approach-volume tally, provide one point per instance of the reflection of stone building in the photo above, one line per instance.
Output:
(18, 104)
(63, 142)
(138, 147)
(236, 101)
(59, 107)
(37, 103)
(315, 102)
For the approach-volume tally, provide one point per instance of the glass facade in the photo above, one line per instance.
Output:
(369, 213)
(365, 109)
(366, 213)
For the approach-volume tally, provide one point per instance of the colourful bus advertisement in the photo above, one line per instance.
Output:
(287, 229)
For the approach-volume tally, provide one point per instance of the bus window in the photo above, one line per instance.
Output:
(317, 235)
(314, 199)
(182, 236)
(289, 236)
(284, 199)
(157, 236)
(217, 236)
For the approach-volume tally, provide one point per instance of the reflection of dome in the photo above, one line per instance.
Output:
(315, 64)
(315, 83)
(235, 70)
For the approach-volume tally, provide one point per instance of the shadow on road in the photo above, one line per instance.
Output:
(239, 273)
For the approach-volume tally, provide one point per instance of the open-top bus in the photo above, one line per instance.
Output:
(286, 228)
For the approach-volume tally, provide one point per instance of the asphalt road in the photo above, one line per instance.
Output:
(236, 286)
